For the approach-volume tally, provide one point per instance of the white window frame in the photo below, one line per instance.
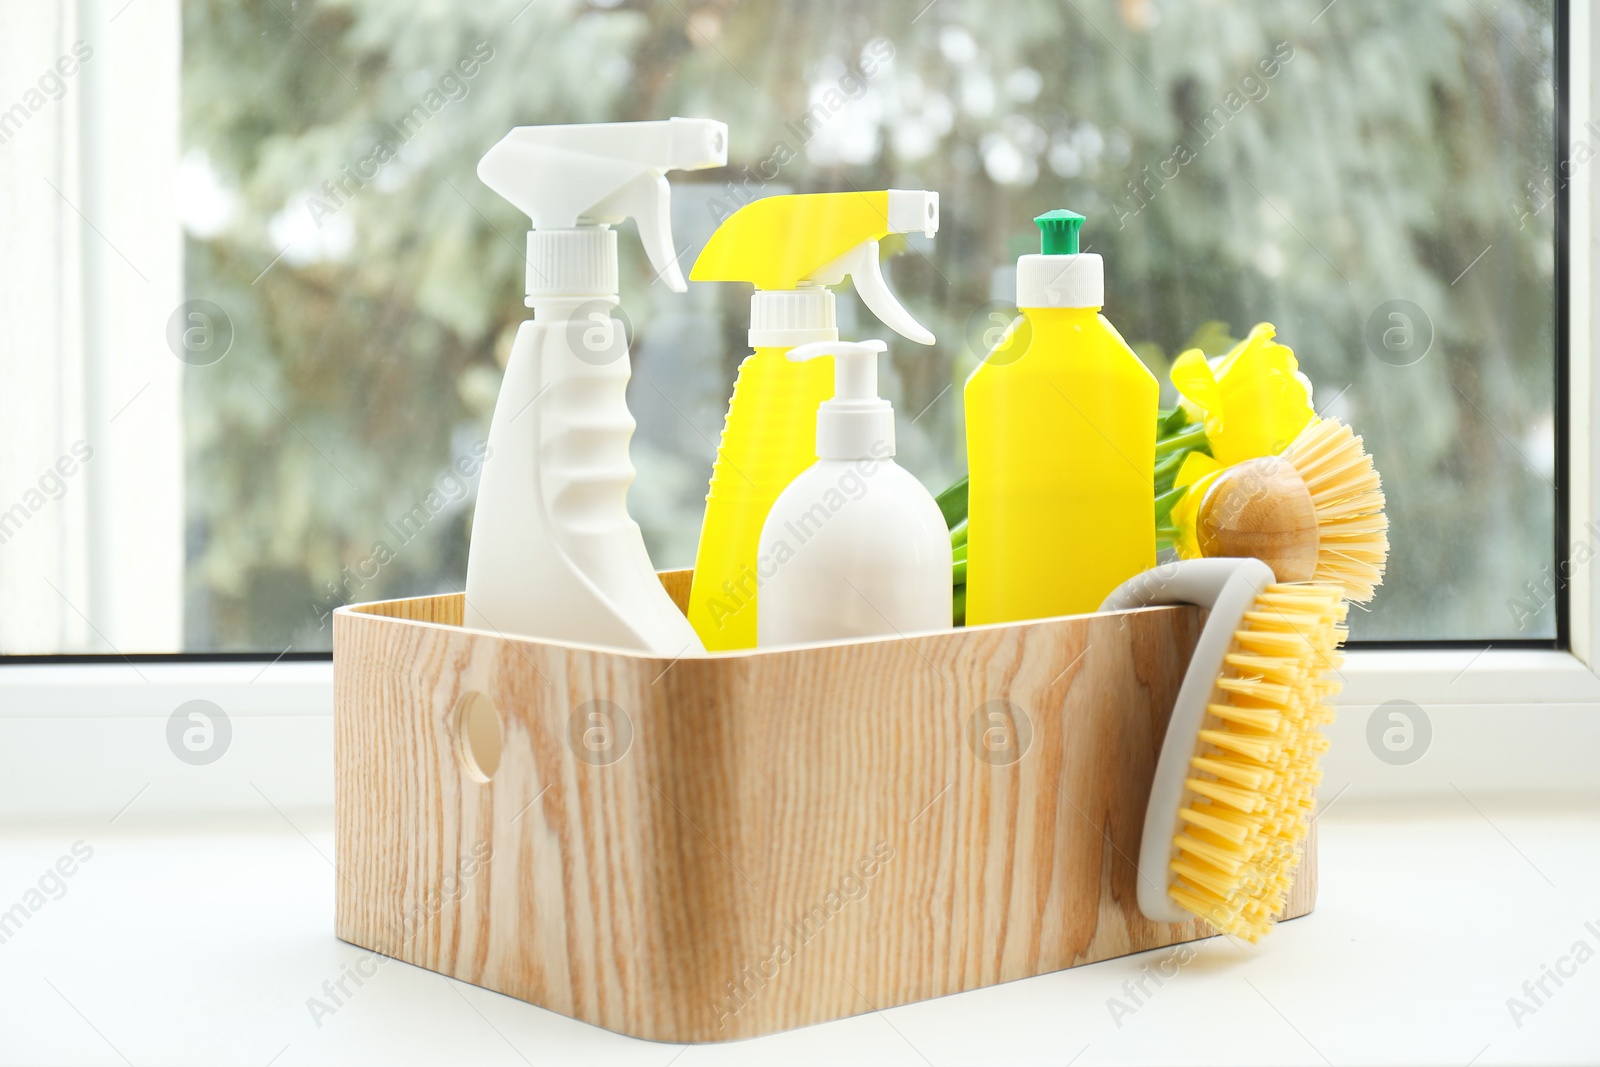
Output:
(1503, 720)
(92, 270)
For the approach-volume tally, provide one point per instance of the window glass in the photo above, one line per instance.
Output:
(1374, 179)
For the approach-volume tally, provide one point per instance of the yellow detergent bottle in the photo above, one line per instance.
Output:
(1061, 439)
(791, 248)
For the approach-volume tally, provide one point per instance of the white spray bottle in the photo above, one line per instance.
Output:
(554, 553)
(855, 546)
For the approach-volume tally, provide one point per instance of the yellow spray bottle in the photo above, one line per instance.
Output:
(1061, 439)
(791, 248)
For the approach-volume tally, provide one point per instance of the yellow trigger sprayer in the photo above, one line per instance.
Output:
(791, 248)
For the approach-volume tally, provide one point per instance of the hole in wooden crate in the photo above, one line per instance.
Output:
(478, 727)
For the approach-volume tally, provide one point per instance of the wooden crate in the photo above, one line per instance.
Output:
(754, 841)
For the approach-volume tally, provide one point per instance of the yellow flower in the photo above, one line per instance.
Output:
(1254, 401)
(1197, 472)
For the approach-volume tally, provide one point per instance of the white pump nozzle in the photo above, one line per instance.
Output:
(857, 423)
(589, 176)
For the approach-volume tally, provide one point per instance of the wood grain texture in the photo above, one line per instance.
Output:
(1261, 508)
(783, 838)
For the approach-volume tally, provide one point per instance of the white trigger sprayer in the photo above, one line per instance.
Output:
(554, 553)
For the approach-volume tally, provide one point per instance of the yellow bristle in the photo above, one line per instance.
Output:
(1267, 668)
(1221, 821)
(1204, 899)
(1201, 876)
(1245, 800)
(1247, 773)
(1347, 496)
(1269, 693)
(1254, 776)
(1258, 748)
(1362, 526)
(1252, 823)
(1351, 555)
(1265, 643)
(1345, 508)
(1215, 852)
(1209, 907)
(1266, 719)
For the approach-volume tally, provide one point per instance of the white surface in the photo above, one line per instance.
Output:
(202, 944)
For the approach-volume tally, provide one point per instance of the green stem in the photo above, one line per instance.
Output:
(1167, 466)
(1189, 437)
(953, 503)
(1170, 421)
(1166, 502)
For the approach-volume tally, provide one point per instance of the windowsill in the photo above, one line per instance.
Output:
(1425, 925)
(1503, 722)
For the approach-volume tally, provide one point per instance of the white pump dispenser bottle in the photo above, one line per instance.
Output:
(855, 546)
(554, 553)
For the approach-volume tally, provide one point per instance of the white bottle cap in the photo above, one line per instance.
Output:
(783, 318)
(1061, 281)
(580, 263)
(857, 423)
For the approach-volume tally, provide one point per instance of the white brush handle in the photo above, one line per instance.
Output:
(1226, 588)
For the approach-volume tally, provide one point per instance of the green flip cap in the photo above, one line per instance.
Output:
(1058, 232)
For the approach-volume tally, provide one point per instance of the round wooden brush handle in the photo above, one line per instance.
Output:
(1261, 508)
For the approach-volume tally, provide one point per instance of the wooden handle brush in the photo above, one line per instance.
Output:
(1315, 512)
(1235, 783)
